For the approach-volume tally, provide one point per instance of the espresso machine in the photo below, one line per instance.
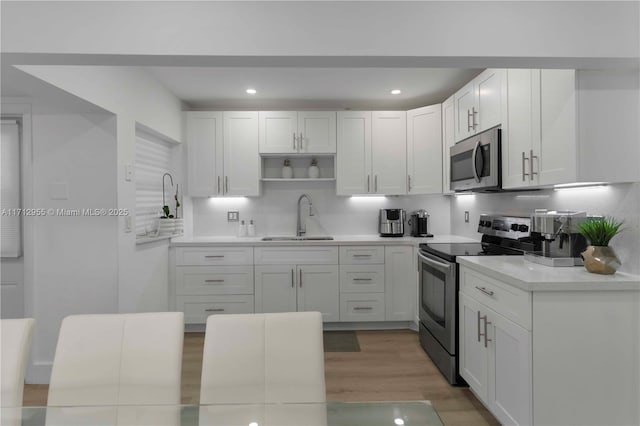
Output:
(556, 235)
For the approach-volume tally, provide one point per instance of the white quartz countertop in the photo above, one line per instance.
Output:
(338, 240)
(520, 273)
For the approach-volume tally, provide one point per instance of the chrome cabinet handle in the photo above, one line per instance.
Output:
(214, 310)
(361, 255)
(218, 184)
(524, 166)
(300, 277)
(408, 183)
(485, 291)
(486, 323)
(473, 117)
(300, 142)
(362, 279)
(292, 284)
(375, 183)
(362, 308)
(531, 157)
(294, 141)
(479, 326)
(474, 156)
(469, 125)
(226, 184)
(213, 281)
(368, 183)
(217, 256)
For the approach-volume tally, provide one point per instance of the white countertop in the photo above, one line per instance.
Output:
(338, 240)
(520, 273)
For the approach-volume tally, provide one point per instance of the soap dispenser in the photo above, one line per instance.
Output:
(242, 229)
(251, 229)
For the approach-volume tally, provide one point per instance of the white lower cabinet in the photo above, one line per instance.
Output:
(401, 281)
(362, 283)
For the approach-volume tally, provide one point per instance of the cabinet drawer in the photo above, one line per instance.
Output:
(300, 255)
(359, 255)
(197, 308)
(214, 256)
(509, 301)
(362, 307)
(362, 278)
(197, 280)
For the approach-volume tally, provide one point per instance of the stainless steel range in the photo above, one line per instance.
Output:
(438, 285)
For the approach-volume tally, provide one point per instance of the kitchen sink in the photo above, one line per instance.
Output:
(292, 238)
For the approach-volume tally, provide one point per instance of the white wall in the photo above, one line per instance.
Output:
(275, 212)
(621, 201)
(75, 258)
(444, 29)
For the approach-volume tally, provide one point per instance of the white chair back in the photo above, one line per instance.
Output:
(15, 341)
(263, 358)
(118, 359)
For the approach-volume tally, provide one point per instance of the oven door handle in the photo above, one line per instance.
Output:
(435, 263)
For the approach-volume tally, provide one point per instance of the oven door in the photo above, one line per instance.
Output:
(438, 298)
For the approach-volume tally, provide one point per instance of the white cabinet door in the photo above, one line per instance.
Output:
(354, 153)
(241, 159)
(465, 103)
(275, 288)
(448, 140)
(204, 153)
(424, 150)
(509, 391)
(489, 85)
(319, 290)
(521, 133)
(278, 132)
(317, 132)
(473, 353)
(389, 152)
(558, 146)
(401, 281)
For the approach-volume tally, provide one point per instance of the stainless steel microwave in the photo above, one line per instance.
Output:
(475, 163)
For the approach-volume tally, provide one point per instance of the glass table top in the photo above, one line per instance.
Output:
(408, 413)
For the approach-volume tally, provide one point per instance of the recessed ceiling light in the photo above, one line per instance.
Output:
(251, 91)
(396, 91)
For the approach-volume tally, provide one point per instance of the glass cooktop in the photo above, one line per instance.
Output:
(449, 251)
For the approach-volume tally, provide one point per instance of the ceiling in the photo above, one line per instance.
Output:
(310, 88)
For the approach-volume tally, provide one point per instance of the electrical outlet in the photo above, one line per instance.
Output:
(466, 216)
(233, 216)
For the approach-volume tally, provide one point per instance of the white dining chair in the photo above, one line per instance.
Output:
(15, 341)
(118, 359)
(263, 358)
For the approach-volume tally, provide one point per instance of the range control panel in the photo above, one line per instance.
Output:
(513, 227)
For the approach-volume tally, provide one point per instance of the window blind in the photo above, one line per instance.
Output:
(10, 202)
(153, 160)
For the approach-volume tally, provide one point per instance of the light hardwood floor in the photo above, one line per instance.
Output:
(391, 366)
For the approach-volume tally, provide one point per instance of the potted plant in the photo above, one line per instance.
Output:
(599, 258)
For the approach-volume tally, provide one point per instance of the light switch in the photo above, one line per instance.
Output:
(129, 170)
(233, 216)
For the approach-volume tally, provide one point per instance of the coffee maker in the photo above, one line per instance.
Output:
(391, 222)
(556, 235)
(419, 221)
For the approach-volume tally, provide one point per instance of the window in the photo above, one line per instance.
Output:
(153, 160)
(10, 202)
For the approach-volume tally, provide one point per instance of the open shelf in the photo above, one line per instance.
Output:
(272, 168)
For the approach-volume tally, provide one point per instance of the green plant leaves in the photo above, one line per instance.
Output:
(600, 230)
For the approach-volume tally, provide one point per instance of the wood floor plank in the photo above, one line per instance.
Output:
(391, 366)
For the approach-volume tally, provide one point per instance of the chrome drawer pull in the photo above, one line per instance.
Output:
(485, 291)
(213, 281)
(214, 310)
(362, 279)
(361, 255)
(362, 308)
(218, 256)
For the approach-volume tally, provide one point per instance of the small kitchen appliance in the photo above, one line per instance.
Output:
(391, 222)
(438, 285)
(475, 163)
(418, 221)
(559, 242)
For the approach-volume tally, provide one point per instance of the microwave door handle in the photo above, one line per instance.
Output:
(434, 263)
(475, 162)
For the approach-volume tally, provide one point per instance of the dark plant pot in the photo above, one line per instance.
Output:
(600, 260)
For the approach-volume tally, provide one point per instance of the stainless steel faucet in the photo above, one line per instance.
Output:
(301, 228)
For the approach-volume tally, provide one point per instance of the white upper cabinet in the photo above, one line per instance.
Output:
(424, 150)
(291, 132)
(448, 140)
(204, 152)
(241, 159)
(353, 162)
(389, 152)
(478, 106)
(222, 154)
